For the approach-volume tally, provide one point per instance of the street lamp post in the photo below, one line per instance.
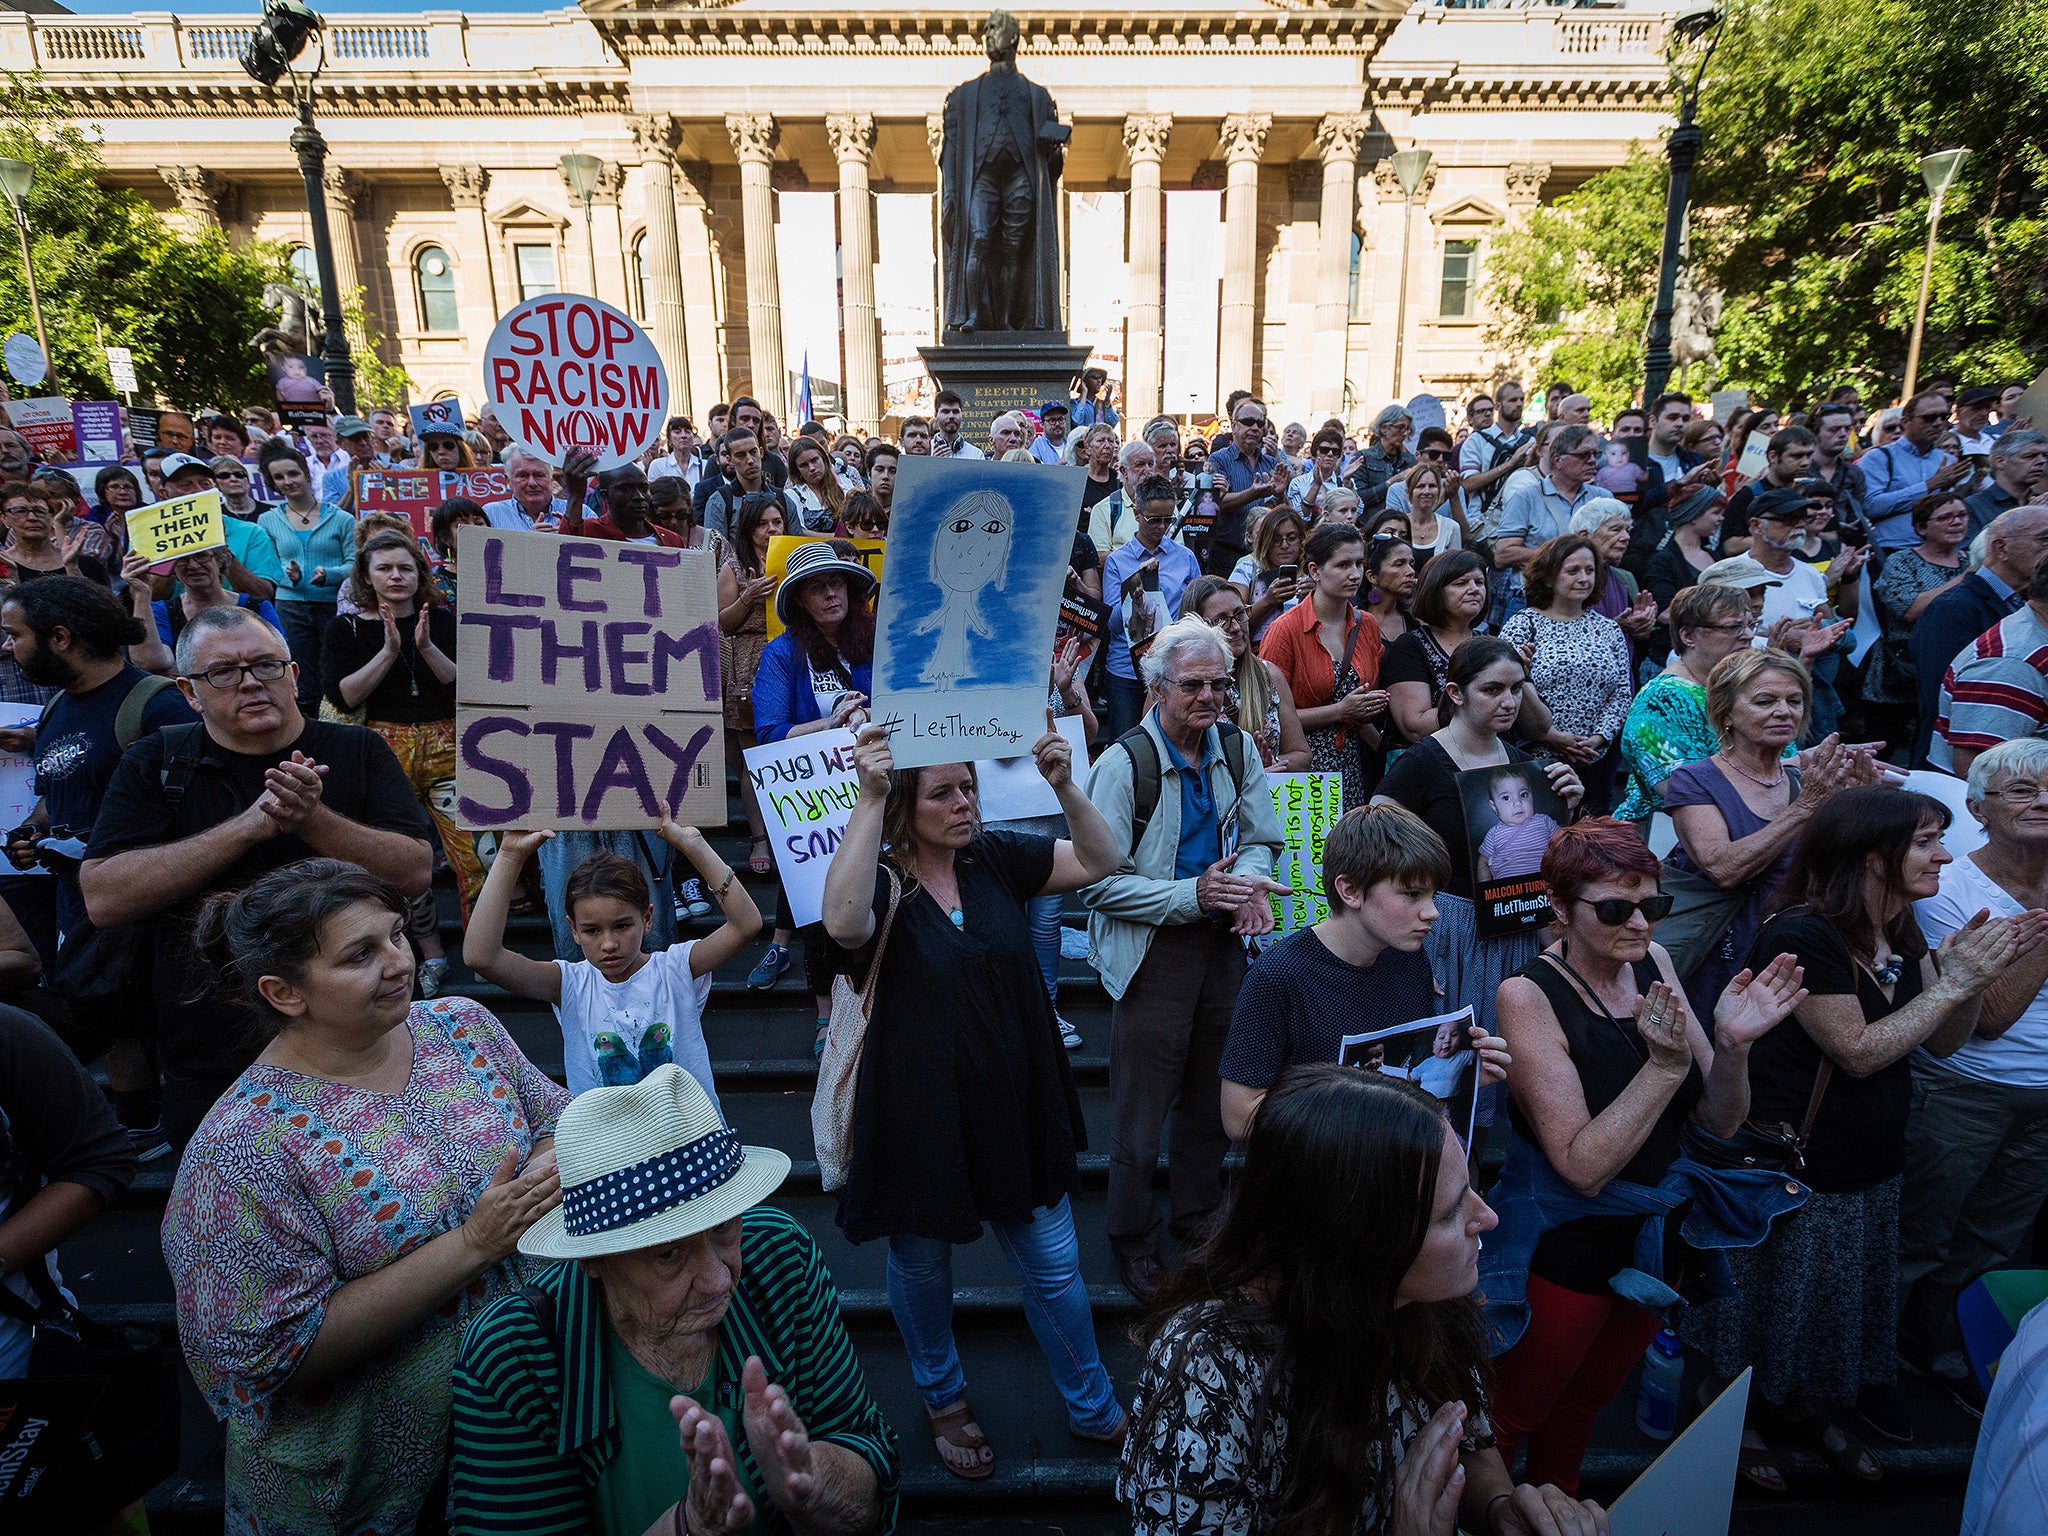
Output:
(1939, 172)
(287, 27)
(17, 176)
(581, 173)
(1410, 166)
(1699, 28)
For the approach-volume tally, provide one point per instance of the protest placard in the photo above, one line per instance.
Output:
(97, 425)
(1690, 1489)
(48, 426)
(121, 368)
(1308, 805)
(1755, 454)
(587, 692)
(442, 416)
(145, 427)
(414, 493)
(806, 788)
(25, 360)
(1012, 788)
(184, 525)
(867, 551)
(2031, 409)
(1426, 411)
(978, 556)
(1436, 1054)
(298, 384)
(1511, 814)
(563, 372)
(18, 774)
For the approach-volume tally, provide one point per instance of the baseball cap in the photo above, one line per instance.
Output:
(175, 462)
(1782, 504)
(1739, 571)
(351, 426)
(1051, 406)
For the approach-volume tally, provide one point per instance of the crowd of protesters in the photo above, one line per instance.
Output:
(1781, 1089)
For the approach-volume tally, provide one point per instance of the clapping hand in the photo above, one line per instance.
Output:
(420, 638)
(392, 643)
(74, 541)
(1431, 1480)
(1972, 956)
(1220, 889)
(1660, 1020)
(716, 1504)
(781, 1445)
(844, 708)
(291, 792)
(513, 1201)
(1755, 1002)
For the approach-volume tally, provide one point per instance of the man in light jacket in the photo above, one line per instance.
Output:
(1186, 795)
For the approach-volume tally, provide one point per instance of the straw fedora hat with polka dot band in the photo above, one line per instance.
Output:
(648, 1164)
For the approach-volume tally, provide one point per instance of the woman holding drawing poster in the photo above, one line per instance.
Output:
(965, 1111)
(1609, 1066)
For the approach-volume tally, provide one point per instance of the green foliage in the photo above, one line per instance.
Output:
(377, 382)
(1571, 290)
(111, 271)
(1816, 113)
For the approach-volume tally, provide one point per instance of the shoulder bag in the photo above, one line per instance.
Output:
(839, 1072)
(1762, 1148)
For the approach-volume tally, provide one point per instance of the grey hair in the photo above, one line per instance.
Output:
(1593, 514)
(2006, 444)
(1088, 436)
(1181, 638)
(1389, 416)
(1980, 550)
(2028, 755)
(1570, 439)
(213, 621)
(1123, 454)
(1338, 496)
(516, 452)
(1160, 424)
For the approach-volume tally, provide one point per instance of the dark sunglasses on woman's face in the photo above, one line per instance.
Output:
(1613, 911)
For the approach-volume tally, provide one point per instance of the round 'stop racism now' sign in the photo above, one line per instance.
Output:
(564, 372)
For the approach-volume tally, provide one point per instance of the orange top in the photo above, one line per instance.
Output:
(1293, 644)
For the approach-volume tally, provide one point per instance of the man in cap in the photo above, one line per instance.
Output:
(1050, 446)
(1973, 418)
(252, 566)
(360, 450)
(1787, 459)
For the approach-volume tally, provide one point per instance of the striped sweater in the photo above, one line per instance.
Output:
(534, 1422)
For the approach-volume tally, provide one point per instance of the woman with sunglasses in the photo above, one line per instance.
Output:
(1325, 466)
(1609, 1066)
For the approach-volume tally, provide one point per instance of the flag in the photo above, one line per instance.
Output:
(803, 393)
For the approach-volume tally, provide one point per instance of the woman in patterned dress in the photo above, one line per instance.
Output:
(1578, 660)
(1318, 1364)
(346, 1206)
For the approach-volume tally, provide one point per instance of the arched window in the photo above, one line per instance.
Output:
(306, 268)
(640, 278)
(434, 276)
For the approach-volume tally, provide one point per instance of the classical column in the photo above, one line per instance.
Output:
(754, 136)
(1525, 189)
(344, 190)
(1145, 138)
(1241, 143)
(935, 140)
(656, 139)
(1337, 140)
(703, 286)
(853, 141)
(476, 289)
(613, 279)
(198, 191)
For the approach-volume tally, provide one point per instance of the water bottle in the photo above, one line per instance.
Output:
(1663, 1371)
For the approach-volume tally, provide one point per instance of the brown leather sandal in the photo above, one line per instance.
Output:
(954, 1429)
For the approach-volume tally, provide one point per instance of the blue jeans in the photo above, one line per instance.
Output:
(1046, 1257)
(305, 635)
(559, 857)
(1126, 705)
(1044, 913)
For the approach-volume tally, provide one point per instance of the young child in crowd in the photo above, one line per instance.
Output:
(1514, 845)
(623, 1011)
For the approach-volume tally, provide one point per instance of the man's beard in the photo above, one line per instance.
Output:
(46, 669)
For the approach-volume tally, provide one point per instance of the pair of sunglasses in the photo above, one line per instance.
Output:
(1614, 910)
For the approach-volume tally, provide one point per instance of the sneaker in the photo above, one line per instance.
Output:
(432, 974)
(1070, 1037)
(691, 901)
(149, 1142)
(774, 961)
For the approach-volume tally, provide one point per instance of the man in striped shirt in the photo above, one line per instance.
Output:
(1996, 689)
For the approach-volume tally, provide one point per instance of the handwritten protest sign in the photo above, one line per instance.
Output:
(414, 493)
(869, 552)
(587, 692)
(978, 556)
(569, 372)
(442, 416)
(1308, 805)
(168, 530)
(48, 426)
(806, 787)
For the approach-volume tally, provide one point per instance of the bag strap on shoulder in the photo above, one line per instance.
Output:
(128, 718)
(867, 990)
(184, 748)
(1146, 771)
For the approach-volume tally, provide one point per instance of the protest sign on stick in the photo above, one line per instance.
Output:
(48, 426)
(978, 556)
(442, 416)
(587, 692)
(169, 530)
(1308, 805)
(565, 372)
(806, 788)
(867, 551)
(97, 424)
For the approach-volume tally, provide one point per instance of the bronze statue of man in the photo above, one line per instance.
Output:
(998, 197)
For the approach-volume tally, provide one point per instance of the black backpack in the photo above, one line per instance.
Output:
(1147, 771)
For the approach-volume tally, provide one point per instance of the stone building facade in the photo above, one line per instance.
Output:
(766, 198)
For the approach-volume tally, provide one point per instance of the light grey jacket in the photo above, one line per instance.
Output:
(1143, 895)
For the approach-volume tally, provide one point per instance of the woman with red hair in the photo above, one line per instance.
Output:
(1609, 1066)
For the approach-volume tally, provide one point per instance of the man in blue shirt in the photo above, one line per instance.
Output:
(1050, 446)
(1535, 514)
(1248, 474)
(1135, 606)
(1092, 405)
(1900, 473)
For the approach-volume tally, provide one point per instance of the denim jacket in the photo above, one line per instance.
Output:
(1731, 1208)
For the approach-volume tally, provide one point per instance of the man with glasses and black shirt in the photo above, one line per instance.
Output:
(1834, 428)
(1899, 474)
(194, 809)
(1248, 474)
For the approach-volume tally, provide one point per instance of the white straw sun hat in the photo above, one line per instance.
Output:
(648, 1164)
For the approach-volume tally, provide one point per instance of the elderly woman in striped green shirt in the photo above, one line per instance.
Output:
(686, 1372)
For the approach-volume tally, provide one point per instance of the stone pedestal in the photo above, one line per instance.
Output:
(1003, 371)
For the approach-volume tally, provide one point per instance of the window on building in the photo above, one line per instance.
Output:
(434, 276)
(1461, 268)
(536, 264)
(306, 268)
(640, 279)
(1357, 264)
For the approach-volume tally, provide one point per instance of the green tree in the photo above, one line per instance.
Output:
(110, 270)
(1570, 291)
(1816, 113)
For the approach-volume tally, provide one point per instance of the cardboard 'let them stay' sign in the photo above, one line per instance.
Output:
(587, 686)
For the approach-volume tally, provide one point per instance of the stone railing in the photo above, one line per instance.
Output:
(1495, 38)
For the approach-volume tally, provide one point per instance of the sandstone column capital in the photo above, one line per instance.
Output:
(1145, 135)
(852, 135)
(466, 184)
(1244, 135)
(754, 137)
(1525, 183)
(1339, 136)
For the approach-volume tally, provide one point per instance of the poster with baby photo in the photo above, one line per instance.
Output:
(1511, 813)
(1435, 1054)
(298, 383)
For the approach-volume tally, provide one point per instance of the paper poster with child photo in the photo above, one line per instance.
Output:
(298, 383)
(1436, 1054)
(1511, 814)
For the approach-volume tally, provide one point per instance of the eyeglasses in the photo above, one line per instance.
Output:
(1588, 455)
(268, 670)
(1195, 687)
(1613, 911)
(1747, 628)
(2020, 793)
(1231, 620)
(1328, 448)
(1251, 421)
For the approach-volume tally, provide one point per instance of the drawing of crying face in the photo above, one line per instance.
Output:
(973, 543)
